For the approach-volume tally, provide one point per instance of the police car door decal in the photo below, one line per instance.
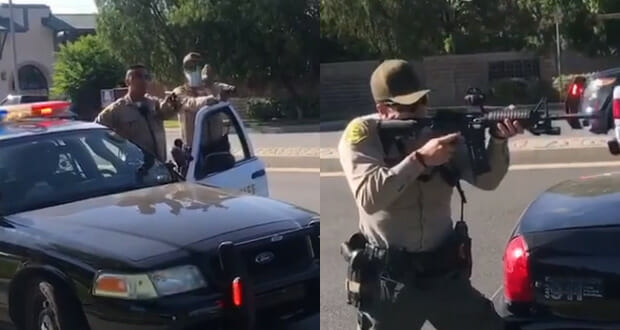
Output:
(222, 153)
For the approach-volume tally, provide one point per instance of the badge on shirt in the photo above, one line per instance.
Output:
(356, 131)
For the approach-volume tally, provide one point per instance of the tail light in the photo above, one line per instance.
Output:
(575, 90)
(616, 103)
(237, 293)
(517, 277)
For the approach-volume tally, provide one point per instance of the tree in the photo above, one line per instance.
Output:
(81, 70)
(411, 29)
(258, 42)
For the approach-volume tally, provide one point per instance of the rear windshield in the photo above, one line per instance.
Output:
(595, 95)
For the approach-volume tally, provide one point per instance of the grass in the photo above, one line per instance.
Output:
(172, 123)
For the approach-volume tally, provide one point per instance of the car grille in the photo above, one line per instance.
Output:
(288, 256)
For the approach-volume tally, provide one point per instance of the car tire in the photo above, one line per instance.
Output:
(48, 307)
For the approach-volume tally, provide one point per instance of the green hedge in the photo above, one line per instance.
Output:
(282, 109)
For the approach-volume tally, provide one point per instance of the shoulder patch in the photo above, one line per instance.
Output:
(356, 131)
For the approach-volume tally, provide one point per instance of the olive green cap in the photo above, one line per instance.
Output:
(396, 81)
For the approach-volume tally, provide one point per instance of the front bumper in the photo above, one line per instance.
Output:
(544, 322)
(280, 301)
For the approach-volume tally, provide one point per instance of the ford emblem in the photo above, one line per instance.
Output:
(265, 257)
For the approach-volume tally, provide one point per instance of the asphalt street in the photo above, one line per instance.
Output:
(491, 217)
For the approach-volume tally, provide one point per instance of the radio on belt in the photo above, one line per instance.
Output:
(614, 144)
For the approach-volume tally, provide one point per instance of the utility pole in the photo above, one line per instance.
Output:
(558, 19)
(14, 47)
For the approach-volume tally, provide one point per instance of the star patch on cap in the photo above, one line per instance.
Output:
(356, 131)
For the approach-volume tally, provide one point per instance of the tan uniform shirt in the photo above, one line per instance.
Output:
(124, 118)
(395, 209)
(191, 100)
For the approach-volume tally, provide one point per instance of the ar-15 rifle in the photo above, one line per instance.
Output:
(472, 125)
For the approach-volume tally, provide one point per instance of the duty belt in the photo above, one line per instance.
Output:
(402, 263)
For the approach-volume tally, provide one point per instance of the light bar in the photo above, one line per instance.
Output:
(32, 110)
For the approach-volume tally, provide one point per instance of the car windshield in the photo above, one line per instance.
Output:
(596, 93)
(53, 169)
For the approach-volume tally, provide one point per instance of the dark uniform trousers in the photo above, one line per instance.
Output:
(448, 302)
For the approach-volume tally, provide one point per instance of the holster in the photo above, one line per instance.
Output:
(362, 280)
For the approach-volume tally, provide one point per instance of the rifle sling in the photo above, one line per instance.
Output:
(449, 174)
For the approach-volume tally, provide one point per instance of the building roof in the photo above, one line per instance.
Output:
(79, 21)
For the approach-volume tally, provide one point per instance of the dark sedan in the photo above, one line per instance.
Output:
(562, 262)
(96, 234)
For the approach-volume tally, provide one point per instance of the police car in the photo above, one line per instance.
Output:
(235, 167)
(96, 234)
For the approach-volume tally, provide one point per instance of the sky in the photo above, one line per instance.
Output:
(62, 6)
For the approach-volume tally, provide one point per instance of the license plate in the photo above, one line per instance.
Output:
(572, 288)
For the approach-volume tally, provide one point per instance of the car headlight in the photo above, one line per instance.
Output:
(150, 285)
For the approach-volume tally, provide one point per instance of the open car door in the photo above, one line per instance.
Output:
(222, 153)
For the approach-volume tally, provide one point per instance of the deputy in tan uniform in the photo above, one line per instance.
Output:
(219, 90)
(139, 117)
(192, 96)
(404, 208)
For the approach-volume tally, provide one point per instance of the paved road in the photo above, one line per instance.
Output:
(491, 216)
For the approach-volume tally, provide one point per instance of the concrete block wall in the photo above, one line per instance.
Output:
(345, 90)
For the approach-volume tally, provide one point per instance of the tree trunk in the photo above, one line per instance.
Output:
(290, 87)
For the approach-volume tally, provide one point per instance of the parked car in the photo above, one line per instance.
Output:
(593, 95)
(21, 99)
(561, 266)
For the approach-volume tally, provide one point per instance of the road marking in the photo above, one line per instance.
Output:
(528, 167)
(525, 167)
(293, 170)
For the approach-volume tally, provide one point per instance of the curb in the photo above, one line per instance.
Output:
(336, 125)
(308, 128)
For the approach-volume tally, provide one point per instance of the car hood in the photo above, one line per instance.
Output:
(591, 201)
(149, 222)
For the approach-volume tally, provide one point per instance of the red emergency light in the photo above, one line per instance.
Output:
(37, 109)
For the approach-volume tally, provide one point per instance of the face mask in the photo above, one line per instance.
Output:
(193, 78)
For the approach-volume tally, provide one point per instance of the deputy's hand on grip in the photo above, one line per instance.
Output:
(507, 129)
(439, 150)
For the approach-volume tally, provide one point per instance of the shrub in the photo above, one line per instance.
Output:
(278, 109)
(82, 69)
(264, 109)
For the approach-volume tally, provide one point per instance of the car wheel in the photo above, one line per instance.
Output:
(49, 308)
